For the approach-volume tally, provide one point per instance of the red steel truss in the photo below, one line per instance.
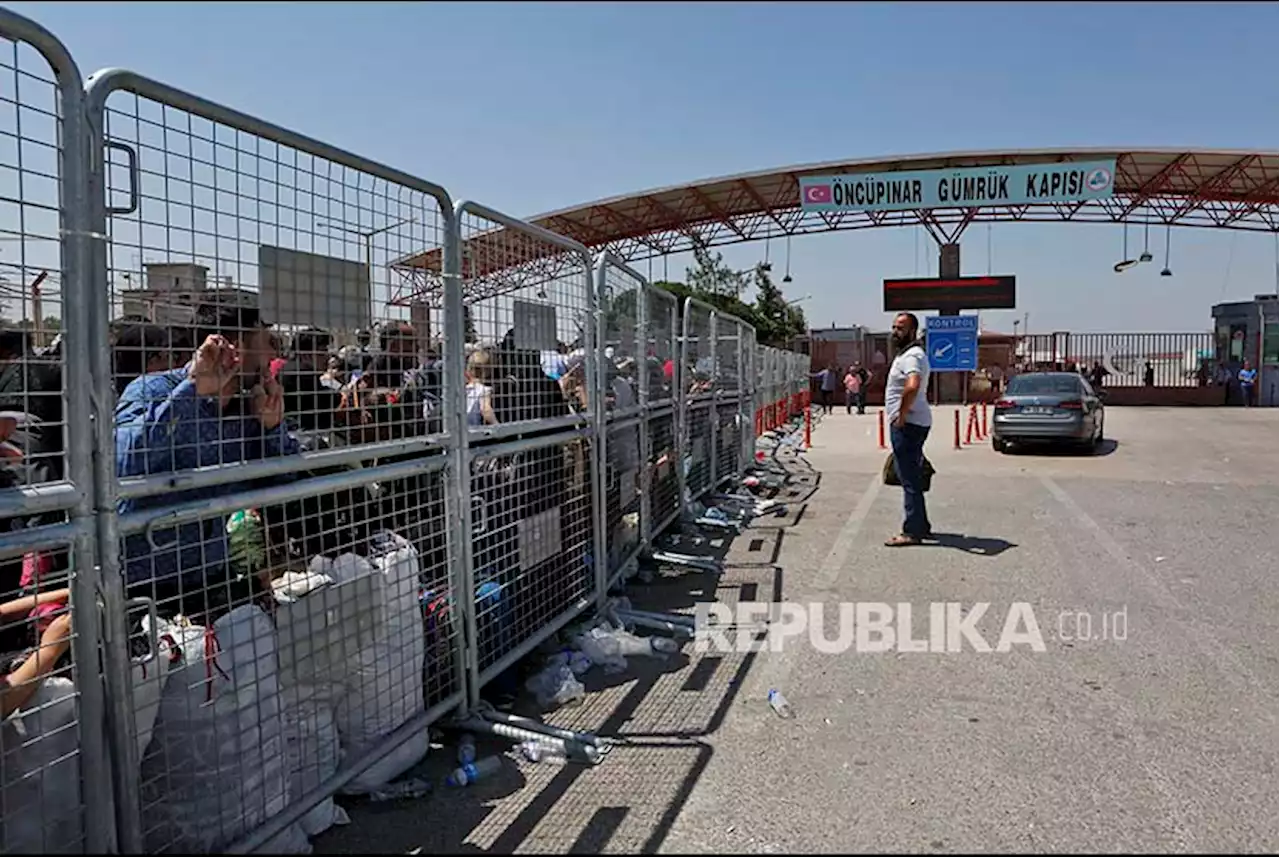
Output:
(1207, 189)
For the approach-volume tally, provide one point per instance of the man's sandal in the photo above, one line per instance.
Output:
(901, 540)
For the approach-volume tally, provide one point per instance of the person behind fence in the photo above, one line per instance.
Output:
(31, 384)
(20, 684)
(396, 358)
(308, 400)
(220, 408)
(141, 348)
(479, 393)
(906, 407)
(1098, 375)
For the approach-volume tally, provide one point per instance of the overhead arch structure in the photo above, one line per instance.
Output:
(1216, 189)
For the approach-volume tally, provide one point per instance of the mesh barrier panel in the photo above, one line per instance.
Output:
(664, 464)
(660, 333)
(698, 450)
(281, 451)
(355, 430)
(41, 795)
(728, 441)
(728, 358)
(623, 495)
(54, 786)
(531, 542)
(529, 307)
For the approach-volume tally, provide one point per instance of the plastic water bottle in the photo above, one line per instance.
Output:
(473, 771)
(536, 751)
(466, 749)
(404, 790)
(664, 645)
(779, 704)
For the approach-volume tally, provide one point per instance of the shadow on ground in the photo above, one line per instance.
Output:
(1060, 450)
(969, 544)
(659, 711)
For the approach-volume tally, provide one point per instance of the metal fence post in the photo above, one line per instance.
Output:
(120, 715)
(683, 375)
(75, 247)
(425, 471)
(600, 448)
(458, 486)
(713, 408)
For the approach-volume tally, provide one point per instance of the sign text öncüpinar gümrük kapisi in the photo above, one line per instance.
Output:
(998, 185)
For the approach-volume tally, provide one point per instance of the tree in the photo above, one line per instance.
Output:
(52, 322)
(771, 309)
(797, 324)
(724, 303)
(711, 276)
(619, 312)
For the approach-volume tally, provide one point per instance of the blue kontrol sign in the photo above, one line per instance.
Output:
(952, 343)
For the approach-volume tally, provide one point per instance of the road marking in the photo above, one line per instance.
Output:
(773, 668)
(1223, 658)
(834, 562)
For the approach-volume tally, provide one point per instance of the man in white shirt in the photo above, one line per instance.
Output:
(906, 405)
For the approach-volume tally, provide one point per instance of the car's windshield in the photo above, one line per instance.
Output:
(1044, 385)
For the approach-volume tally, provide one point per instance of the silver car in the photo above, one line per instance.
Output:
(1048, 406)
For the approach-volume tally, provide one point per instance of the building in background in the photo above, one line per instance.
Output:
(1246, 330)
(172, 291)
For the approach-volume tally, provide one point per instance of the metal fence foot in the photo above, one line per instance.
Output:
(672, 623)
(580, 751)
(686, 561)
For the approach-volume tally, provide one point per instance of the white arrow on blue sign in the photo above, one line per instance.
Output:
(951, 342)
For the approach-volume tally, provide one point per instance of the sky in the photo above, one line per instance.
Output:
(532, 107)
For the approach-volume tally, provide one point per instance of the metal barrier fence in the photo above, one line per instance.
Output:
(54, 763)
(1128, 359)
(249, 559)
(782, 385)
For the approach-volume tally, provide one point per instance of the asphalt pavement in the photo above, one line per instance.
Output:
(1147, 720)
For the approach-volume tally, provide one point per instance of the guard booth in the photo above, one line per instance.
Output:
(1246, 330)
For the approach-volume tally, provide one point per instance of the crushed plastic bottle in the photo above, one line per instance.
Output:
(779, 704)
(466, 749)
(536, 751)
(555, 685)
(474, 771)
(410, 789)
(664, 645)
(577, 662)
(603, 648)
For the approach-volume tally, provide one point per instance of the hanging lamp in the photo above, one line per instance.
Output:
(1126, 263)
(1146, 237)
(1168, 231)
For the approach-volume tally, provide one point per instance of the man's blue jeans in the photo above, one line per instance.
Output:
(908, 457)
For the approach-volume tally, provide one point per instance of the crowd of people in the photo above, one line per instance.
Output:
(230, 390)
